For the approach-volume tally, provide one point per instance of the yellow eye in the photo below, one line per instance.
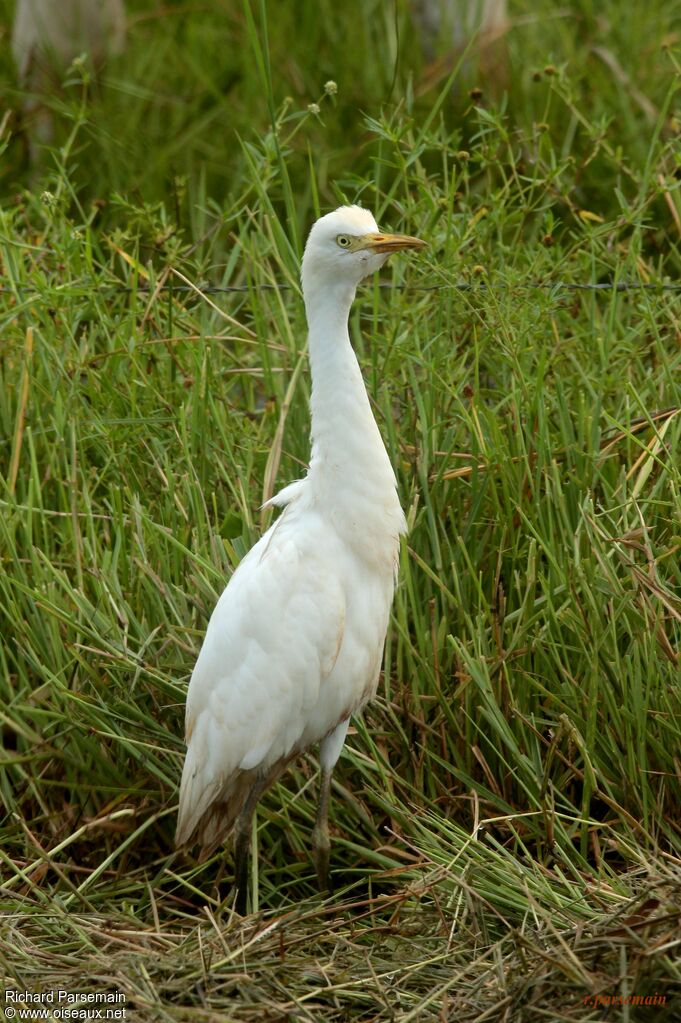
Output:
(343, 241)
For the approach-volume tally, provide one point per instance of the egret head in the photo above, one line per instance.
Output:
(345, 246)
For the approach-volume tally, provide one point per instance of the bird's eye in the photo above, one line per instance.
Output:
(343, 241)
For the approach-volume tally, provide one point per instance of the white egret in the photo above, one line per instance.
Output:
(47, 35)
(294, 646)
(452, 27)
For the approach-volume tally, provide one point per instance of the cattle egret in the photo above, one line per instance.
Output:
(48, 35)
(450, 27)
(294, 646)
(457, 22)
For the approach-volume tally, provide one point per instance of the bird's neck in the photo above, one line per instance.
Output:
(349, 466)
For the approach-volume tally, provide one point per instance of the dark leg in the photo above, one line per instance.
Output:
(320, 835)
(242, 846)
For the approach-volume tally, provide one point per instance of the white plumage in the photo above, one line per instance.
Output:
(294, 645)
(50, 33)
(47, 36)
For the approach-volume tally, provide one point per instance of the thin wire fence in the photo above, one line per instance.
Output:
(214, 289)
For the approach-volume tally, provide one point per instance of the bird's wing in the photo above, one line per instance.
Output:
(288, 494)
(273, 638)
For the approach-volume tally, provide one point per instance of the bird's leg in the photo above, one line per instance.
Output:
(241, 849)
(329, 751)
(242, 845)
(320, 835)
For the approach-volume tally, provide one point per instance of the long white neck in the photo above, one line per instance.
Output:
(350, 471)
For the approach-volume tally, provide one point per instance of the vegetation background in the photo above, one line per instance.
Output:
(507, 816)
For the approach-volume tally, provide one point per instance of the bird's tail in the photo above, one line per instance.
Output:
(209, 807)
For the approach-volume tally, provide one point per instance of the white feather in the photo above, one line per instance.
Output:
(48, 33)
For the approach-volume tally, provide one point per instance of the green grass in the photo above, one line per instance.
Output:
(507, 815)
